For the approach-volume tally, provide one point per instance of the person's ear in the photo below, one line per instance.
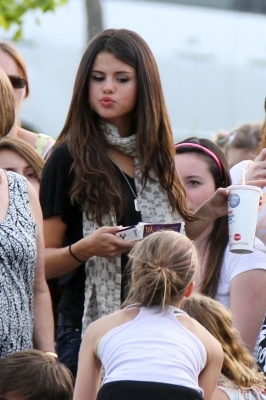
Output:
(189, 289)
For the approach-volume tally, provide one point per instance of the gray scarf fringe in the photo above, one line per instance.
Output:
(103, 275)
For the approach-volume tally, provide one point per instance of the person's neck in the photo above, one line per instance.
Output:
(13, 132)
(202, 247)
(201, 240)
(124, 128)
(177, 303)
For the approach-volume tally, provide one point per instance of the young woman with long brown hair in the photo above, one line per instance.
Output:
(112, 165)
(236, 280)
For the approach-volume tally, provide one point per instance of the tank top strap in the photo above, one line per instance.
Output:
(176, 311)
(132, 306)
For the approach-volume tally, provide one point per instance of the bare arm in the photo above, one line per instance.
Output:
(43, 328)
(58, 260)
(219, 394)
(216, 206)
(257, 170)
(89, 368)
(209, 376)
(248, 304)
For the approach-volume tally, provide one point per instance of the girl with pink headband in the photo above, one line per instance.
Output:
(236, 280)
(202, 148)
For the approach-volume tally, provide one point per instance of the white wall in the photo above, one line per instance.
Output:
(212, 62)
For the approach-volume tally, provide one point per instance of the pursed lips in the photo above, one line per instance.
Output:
(107, 101)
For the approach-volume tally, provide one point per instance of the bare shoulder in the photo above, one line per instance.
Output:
(211, 344)
(27, 136)
(32, 137)
(97, 329)
(219, 394)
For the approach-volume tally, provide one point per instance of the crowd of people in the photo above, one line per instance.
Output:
(118, 318)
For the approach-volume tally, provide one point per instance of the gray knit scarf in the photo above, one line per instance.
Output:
(103, 275)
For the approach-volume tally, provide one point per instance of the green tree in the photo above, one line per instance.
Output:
(13, 11)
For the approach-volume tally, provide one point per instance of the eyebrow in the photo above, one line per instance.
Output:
(194, 176)
(117, 72)
(13, 169)
(8, 169)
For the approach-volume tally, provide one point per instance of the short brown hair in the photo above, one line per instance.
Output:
(26, 151)
(33, 374)
(7, 105)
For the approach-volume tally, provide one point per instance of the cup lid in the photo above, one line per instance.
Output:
(244, 187)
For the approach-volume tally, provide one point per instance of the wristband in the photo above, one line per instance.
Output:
(73, 255)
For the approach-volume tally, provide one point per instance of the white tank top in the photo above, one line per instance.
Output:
(153, 347)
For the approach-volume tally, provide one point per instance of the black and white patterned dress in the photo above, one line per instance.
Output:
(18, 254)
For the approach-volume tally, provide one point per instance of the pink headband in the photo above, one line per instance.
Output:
(205, 150)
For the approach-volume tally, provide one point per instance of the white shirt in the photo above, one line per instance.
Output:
(236, 175)
(235, 264)
(153, 347)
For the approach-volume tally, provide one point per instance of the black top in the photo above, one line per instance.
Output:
(55, 189)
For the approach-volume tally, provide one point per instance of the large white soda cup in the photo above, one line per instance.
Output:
(243, 207)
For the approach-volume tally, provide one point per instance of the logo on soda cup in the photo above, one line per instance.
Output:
(237, 236)
(234, 200)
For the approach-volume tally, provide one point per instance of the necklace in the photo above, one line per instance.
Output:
(134, 194)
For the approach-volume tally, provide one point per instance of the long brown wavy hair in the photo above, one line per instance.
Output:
(218, 238)
(96, 187)
(238, 366)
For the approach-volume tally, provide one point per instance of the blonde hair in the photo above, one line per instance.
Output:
(26, 151)
(9, 49)
(7, 105)
(163, 264)
(238, 366)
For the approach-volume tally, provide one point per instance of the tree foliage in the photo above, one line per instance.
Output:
(13, 11)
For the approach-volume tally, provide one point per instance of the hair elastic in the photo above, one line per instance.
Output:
(51, 353)
(73, 255)
(205, 150)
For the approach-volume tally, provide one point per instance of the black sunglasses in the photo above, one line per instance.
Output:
(17, 82)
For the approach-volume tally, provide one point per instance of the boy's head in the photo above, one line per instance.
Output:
(31, 375)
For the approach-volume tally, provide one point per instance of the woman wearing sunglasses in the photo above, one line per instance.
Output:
(25, 306)
(14, 66)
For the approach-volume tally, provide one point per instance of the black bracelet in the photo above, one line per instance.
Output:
(73, 255)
